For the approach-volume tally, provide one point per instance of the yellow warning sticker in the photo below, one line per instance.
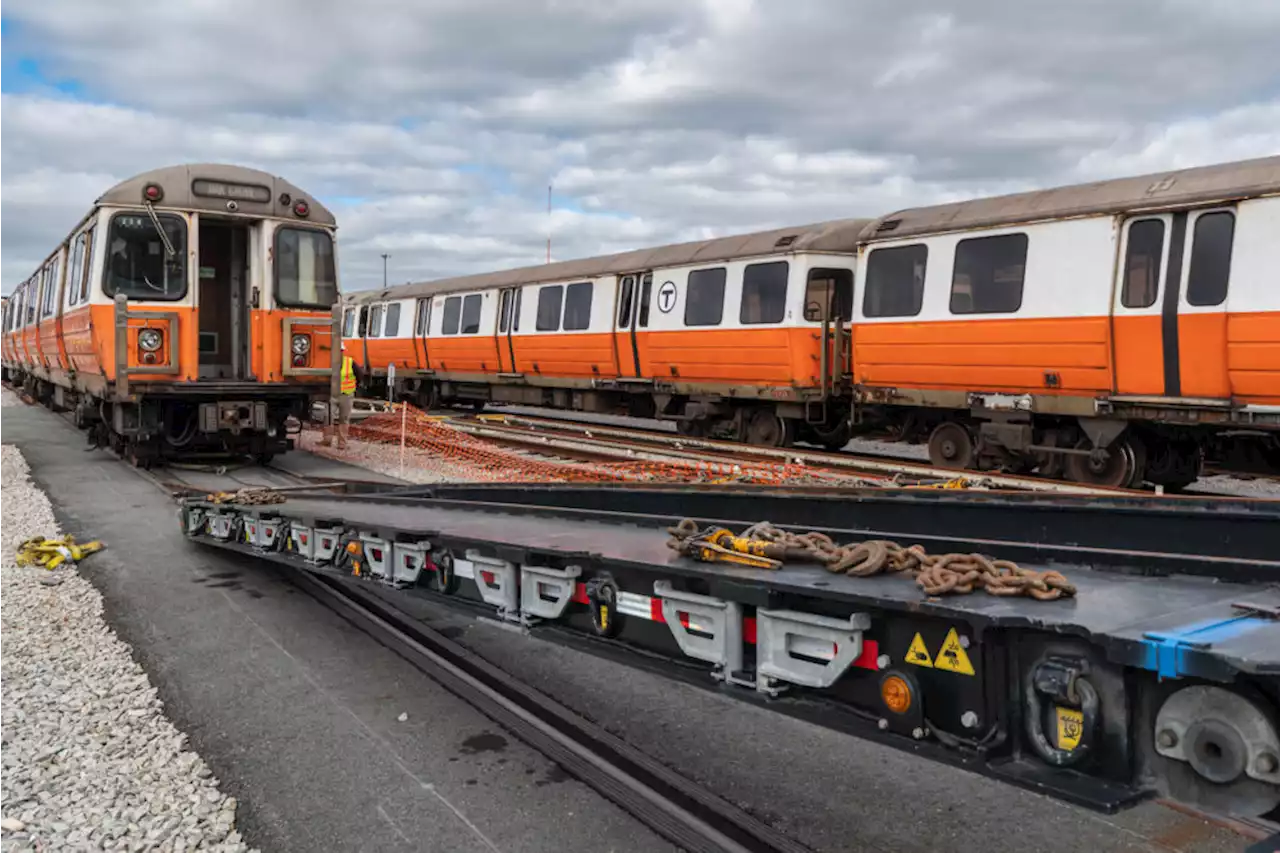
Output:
(918, 653)
(1070, 727)
(952, 657)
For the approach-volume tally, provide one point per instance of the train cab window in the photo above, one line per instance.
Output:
(577, 306)
(375, 321)
(646, 289)
(306, 276)
(625, 295)
(1142, 256)
(988, 274)
(349, 323)
(549, 299)
(764, 293)
(140, 263)
(704, 297)
(362, 324)
(895, 281)
(515, 311)
(471, 314)
(452, 314)
(1211, 258)
(393, 320)
(828, 294)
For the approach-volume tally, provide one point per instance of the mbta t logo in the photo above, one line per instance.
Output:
(667, 297)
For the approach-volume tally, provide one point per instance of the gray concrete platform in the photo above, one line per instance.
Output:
(295, 710)
(297, 713)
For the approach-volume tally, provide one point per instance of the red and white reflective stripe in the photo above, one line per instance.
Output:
(650, 607)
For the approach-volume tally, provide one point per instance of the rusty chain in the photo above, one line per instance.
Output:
(247, 496)
(935, 574)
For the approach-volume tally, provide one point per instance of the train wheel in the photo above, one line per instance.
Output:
(1117, 468)
(765, 428)
(695, 428)
(951, 445)
(833, 438)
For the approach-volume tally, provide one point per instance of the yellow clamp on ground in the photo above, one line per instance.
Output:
(51, 553)
(957, 483)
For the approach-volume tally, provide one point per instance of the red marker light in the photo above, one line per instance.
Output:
(301, 208)
(152, 192)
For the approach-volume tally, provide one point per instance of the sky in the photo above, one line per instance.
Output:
(434, 127)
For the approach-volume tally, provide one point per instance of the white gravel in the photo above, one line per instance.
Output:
(90, 761)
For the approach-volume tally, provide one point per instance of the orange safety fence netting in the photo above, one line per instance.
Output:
(488, 459)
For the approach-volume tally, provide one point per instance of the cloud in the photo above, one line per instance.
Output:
(434, 129)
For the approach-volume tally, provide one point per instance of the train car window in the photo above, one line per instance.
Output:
(704, 297)
(471, 314)
(577, 306)
(645, 290)
(828, 294)
(504, 311)
(424, 317)
(764, 293)
(33, 293)
(515, 312)
(75, 272)
(1142, 256)
(988, 274)
(375, 321)
(1211, 258)
(549, 299)
(624, 302)
(452, 314)
(139, 265)
(88, 265)
(349, 323)
(306, 276)
(46, 291)
(362, 325)
(895, 281)
(393, 320)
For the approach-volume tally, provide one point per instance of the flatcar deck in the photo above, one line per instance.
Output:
(1192, 607)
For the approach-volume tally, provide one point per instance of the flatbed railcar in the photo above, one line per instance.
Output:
(1112, 332)
(1161, 676)
(189, 310)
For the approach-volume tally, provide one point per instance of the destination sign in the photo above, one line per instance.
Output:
(226, 189)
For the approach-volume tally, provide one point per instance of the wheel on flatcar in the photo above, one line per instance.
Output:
(1122, 465)
(767, 428)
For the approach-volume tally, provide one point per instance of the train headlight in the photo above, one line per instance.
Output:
(301, 345)
(150, 339)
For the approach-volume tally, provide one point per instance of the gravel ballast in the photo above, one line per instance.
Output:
(90, 761)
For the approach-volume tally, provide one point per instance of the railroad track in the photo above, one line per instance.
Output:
(685, 813)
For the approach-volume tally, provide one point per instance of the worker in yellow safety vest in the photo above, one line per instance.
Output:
(343, 403)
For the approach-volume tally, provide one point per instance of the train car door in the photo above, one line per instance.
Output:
(421, 322)
(1169, 325)
(508, 322)
(634, 294)
(222, 303)
(1202, 304)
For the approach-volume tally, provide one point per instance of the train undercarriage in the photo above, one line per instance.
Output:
(1117, 448)
(181, 421)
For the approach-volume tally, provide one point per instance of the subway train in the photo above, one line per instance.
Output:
(189, 310)
(1111, 332)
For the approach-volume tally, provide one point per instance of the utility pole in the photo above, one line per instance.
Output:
(384, 270)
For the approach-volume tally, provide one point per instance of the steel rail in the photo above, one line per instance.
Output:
(681, 811)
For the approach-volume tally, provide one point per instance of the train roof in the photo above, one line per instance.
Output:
(1200, 185)
(839, 235)
(253, 191)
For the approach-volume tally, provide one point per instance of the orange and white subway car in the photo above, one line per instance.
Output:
(739, 335)
(189, 310)
(1113, 332)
